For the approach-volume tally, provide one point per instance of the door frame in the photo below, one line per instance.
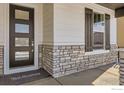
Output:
(12, 33)
(7, 69)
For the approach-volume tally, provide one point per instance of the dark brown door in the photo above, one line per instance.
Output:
(21, 36)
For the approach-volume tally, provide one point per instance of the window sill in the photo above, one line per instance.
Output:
(97, 52)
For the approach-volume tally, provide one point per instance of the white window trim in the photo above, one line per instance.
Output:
(99, 51)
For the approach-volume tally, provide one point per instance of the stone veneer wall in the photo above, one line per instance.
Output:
(39, 55)
(60, 60)
(1, 59)
(47, 58)
(121, 69)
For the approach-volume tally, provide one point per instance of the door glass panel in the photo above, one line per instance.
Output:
(21, 28)
(23, 55)
(21, 41)
(19, 14)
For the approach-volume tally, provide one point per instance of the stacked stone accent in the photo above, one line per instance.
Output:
(113, 47)
(1, 59)
(39, 56)
(47, 58)
(60, 60)
(121, 70)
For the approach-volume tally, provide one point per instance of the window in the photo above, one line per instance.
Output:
(98, 31)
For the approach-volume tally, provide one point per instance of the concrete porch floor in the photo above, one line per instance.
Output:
(104, 75)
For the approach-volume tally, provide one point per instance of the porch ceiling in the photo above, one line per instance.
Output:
(118, 7)
(112, 6)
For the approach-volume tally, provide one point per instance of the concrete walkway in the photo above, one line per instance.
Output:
(105, 75)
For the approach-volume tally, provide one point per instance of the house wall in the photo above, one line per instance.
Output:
(68, 55)
(69, 22)
(48, 25)
(59, 39)
(1, 37)
(1, 24)
(120, 32)
(48, 37)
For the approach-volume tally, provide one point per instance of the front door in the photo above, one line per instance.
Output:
(21, 36)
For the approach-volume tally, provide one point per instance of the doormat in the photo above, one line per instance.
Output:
(24, 77)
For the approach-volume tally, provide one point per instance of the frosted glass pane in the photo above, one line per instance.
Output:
(23, 55)
(19, 14)
(21, 28)
(21, 41)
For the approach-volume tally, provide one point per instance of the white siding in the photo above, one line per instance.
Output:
(69, 23)
(1, 24)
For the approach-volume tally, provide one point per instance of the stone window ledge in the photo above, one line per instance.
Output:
(97, 52)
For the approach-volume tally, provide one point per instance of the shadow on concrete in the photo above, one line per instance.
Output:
(87, 77)
(24, 77)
